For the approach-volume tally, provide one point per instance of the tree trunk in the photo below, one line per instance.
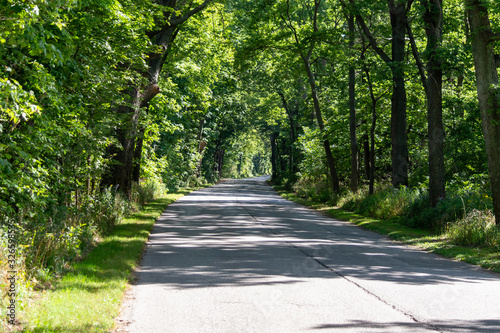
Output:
(201, 146)
(291, 120)
(326, 143)
(399, 154)
(372, 136)
(372, 147)
(489, 98)
(352, 112)
(366, 155)
(433, 18)
(398, 115)
(274, 173)
(136, 174)
(120, 173)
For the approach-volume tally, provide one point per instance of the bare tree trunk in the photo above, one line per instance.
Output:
(291, 120)
(136, 174)
(433, 18)
(372, 133)
(352, 111)
(398, 114)
(274, 173)
(489, 98)
(366, 155)
(372, 146)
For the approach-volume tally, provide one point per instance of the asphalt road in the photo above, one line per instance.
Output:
(236, 257)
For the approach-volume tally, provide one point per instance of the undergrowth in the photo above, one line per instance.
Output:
(460, 227)
(49, 238)
(464, 217)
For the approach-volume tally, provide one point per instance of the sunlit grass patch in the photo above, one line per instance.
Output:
(87, 298)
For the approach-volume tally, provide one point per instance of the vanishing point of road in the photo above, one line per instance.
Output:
(236, 257)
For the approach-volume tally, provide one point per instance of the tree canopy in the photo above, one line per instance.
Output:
(99, 97)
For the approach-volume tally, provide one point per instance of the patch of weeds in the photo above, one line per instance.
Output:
(87, 298)
(477, 228)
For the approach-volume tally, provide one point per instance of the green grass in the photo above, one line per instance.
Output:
(428, 240)
(87, 298)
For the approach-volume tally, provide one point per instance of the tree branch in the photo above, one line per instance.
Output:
(416, 55)
(495, 37)
(151, 91)
(371, 40)
(192, 12)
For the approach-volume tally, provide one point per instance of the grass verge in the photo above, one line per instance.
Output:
(88, 297)
(485, 257)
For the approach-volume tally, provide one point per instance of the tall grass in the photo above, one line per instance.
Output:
(464, 215)
(387, 203)
(23, 289)
(51, 238)
(477, 228)
(312, 188)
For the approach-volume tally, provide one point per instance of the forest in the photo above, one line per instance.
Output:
(387, 108)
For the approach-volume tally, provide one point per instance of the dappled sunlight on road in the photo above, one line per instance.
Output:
(240, 235)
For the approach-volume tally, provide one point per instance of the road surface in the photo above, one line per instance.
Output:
(236, 257)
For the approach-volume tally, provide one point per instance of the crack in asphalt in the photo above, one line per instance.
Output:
(322, 264)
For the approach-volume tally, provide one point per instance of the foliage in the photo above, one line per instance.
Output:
(411, 206)
(147, 191)
(247, 157)
(88, 298)
(387, 203)
(477, 228)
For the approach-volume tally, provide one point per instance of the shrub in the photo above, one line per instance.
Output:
(318, 190)
(387, 203)
(55, 235)
(101, 212)
(421, 215)
(477, 228)
(147, 191)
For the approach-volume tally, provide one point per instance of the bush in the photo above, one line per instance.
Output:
(55, 235)
(411, 206)
(421, 215)
(147, 191)
(477, 228)
(101, 212)
(387, 203)
(318, 190)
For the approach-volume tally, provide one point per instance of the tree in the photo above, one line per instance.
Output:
(398, 16)
(433, 86)
(352, 108)
(305, 52)
(170, 17)
(487, 84)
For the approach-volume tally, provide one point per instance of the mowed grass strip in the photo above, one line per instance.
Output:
(87, 298)
(428, 240)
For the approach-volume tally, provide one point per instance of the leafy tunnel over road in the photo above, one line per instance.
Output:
(237, 257)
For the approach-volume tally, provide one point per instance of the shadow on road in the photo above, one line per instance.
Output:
(241, 233)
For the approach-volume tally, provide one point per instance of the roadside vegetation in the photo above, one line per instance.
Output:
(85, 295)
(386, 109)
(461, 227)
